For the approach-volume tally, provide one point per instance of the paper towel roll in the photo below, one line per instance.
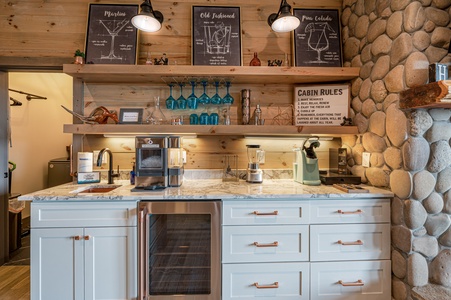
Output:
(84, 162)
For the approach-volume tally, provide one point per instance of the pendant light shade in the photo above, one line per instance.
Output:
(283, 20)
(148, 20)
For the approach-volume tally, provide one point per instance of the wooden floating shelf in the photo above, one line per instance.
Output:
(212, 130)
(431, 95)
(241, 74)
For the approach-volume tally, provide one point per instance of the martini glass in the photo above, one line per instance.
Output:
(192, 99)
(228, 99)
(204, 99)
(181, 101)
(170, 101)
(216, 99)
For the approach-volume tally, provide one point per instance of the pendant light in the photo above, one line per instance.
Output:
(148, 20)
(283, 21)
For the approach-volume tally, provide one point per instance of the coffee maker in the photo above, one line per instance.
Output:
(255, 156)
(159, 162)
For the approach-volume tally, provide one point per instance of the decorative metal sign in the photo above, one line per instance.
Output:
(321, 105)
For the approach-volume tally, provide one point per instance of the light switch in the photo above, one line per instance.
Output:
(366, 159)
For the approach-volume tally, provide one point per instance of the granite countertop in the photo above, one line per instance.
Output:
(203, 189)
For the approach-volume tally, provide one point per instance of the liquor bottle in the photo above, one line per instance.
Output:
(255, 61)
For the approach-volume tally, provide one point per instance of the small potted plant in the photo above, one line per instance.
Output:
(79, 57)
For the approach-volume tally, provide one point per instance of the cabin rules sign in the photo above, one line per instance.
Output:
(321, 105)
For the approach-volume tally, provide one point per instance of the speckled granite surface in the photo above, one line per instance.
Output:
(203, 189)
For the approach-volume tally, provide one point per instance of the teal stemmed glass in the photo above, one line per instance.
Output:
(228, 99)
(192, 99)
(170, 101)
(216, 99)
(204, 99)
(181, 101)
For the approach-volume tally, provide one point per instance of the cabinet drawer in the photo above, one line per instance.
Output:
(350, 211)
(356, 280)
(265, 212)
(265, 243)
(281, 281)
(83, 214)
(349, 242)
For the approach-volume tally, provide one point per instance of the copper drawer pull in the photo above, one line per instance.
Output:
(357, 283)
(77, 237)
(356, 243)
(87, 237)
(359, 211)
(275, 244)
(275, 285)
(274, 213)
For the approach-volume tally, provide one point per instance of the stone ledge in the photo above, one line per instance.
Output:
(431, 292)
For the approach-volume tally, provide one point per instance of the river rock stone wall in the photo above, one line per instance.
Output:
(393, 42)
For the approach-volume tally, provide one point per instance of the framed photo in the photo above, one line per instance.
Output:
(130, 115)
(317, 41)
(321, 105)
(216, 36)
(111, 38)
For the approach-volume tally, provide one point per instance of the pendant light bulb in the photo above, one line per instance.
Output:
(148, 19)
(283, 20)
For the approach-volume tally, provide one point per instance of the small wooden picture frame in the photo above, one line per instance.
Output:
(130, 115)
(321, 104)
(216, 36)
(317, 40)
(111, 38)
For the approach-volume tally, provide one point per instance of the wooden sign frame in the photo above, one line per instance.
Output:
(111, 38)
(321, 105)
(317, 40)
(216, 35)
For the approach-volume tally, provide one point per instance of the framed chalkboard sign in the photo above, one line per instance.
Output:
(111, 38)
(317, 41)
(216, 36)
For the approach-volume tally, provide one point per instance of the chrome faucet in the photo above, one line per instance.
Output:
(110, 168)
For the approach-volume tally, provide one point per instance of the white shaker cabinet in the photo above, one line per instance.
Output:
(322, 249)
(71, 261)
(265, 250)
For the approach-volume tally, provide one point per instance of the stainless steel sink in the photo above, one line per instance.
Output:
(98, 189)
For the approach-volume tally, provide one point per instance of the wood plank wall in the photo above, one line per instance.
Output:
(44, 34)
(36, 33)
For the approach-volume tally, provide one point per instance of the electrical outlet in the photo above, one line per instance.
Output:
(366, 159)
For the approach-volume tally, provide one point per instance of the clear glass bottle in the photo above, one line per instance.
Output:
(157, 117)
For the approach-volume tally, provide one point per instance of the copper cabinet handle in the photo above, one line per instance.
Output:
(275, 244)
(87, 237)
(356, 243)
(359, 211)
(357, 283)
(275, 285)
(274, 213)
(77, 237)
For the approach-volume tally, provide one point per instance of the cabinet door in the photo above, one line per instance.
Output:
(111, 263)
(265, 243)
(274, 212)
(57, 269)
(349, 242)
(350, 280)
(278, 281)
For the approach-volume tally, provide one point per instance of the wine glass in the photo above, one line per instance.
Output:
(181, 101)
(228, 99)
(204, 99)
(170, 101)
(192, 99)
(216, 99)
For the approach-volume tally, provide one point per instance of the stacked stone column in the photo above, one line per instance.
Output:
(393, 42)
